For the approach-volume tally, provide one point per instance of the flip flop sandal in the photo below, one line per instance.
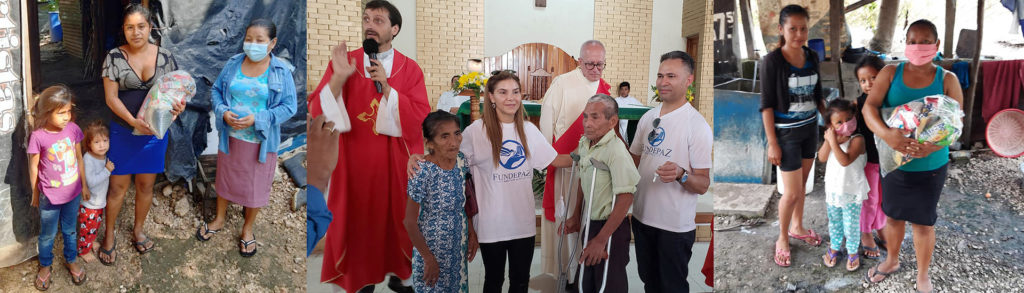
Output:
(810, 238)
(109, 254)
(45, 282)
(205, 230)
(850, 259)
(880, 243)
(142, 244)
(919, 291)
(864, 252)
(830, 255)
(779, 252)
(79, 278)
(245, 244)
(868, 276)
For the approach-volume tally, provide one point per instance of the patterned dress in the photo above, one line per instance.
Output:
(442, 221)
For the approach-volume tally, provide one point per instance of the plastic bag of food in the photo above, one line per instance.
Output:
(169, 89)
(935, 119)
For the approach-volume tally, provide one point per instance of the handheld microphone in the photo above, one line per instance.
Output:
(371, 48)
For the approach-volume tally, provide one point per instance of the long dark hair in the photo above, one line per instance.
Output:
(790, 10)
(492, 126)
(134, 8)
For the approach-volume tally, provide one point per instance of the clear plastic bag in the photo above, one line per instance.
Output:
(935, 119)
(169, 89)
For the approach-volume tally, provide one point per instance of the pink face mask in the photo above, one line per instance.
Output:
(921, 54)
(847, 128)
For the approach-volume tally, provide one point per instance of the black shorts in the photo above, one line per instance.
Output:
(797, 144)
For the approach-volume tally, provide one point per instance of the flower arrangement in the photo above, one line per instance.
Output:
(689, 93)
(473, 81)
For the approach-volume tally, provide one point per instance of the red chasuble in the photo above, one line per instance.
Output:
(563, 145)
(366, 239)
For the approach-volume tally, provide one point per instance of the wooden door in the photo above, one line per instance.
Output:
(535, 64)
(692, 48)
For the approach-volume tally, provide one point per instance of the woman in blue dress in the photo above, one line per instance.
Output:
(435, 217)
(129, 71)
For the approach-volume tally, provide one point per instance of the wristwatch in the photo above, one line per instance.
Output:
(682, 179)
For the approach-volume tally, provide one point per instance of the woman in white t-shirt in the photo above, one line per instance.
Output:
(502, 152)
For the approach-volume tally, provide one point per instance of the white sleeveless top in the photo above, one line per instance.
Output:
(844, 185)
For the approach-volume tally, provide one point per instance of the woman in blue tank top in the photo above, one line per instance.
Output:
(911, 193)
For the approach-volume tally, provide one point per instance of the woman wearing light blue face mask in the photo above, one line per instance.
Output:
(252, 97)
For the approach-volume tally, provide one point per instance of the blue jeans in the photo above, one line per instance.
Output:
(49, 216)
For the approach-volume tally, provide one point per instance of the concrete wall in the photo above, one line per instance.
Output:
(665, 37)
(625, 28)
(449, 32)
(329, 22)
(565, 23)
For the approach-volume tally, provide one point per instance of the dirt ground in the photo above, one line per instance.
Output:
(980, 246)
(178, 262)
(181, 263)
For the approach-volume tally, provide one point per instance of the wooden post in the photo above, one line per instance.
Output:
(947, 51)
(34, 74)
(968, 106)
(836, 12)
(858, 4)
(748, 33)
(474, 104)
(887, 15)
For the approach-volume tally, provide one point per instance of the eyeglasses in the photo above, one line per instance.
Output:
(651, 136)
(590, 66)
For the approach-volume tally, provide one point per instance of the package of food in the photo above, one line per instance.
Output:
(169, 89)
(935, 119)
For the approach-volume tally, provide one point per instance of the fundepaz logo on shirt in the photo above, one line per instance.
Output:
(654, 140)
(513, 155)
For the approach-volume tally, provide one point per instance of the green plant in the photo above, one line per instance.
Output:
(51, 5)
(690, 92)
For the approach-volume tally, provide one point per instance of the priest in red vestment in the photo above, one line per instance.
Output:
(561, 123)
(385, 100)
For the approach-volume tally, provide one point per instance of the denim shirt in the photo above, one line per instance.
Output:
(281, 104)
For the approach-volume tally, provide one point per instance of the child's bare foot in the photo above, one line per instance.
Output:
(88, 257)
(924, 284)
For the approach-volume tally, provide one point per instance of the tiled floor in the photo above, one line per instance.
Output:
(476, 273)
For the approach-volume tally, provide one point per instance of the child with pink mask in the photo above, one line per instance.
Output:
(846, 186)
(871, 216)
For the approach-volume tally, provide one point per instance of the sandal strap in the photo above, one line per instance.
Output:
(831, 253)
(208, 230)
(248, 242)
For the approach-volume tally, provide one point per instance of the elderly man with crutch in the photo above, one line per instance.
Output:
(608, 181)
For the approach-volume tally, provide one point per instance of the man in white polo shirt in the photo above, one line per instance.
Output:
(672, 149)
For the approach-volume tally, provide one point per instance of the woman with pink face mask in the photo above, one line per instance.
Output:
(846, 186)
(911, 193)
